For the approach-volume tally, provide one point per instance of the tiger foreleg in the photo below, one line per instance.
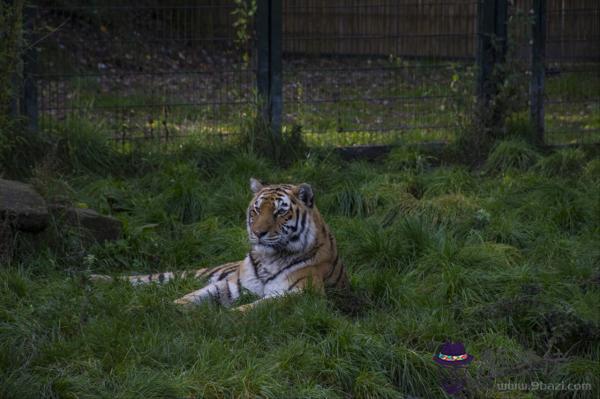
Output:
(297, 283)
(252, 305)
(224, 292)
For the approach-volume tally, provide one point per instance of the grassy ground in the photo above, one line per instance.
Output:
(504, 259)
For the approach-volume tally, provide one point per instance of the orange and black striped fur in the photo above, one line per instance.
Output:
(291, 248)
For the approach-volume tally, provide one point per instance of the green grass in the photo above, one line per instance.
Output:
(505, 261)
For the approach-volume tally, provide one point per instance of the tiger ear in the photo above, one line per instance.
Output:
(306, 195)
(255, 185)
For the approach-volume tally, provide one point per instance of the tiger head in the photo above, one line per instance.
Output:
(281, 217)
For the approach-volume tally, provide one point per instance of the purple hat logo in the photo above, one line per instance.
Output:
(453, 355)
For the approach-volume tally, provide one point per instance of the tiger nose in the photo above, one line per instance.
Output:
(260, 234)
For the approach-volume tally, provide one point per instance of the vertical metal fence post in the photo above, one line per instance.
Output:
(269, 32)
(486, 22)
(492, 33)
(275, 94)
(538, 55)
(15, 80)
(29, 107)
(263, 58)
(491, 44)
(501, 30)
(13, 107)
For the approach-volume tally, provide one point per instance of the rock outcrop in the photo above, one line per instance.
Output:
(21, 207)
(90, 223)
(24, 211)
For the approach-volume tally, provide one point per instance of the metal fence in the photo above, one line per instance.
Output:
(344, 72)
(376, 71)
(141, 71)
(572, 71)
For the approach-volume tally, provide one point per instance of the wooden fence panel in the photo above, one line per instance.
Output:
(425, 28)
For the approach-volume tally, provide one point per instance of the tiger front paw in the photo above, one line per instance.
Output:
(183, 302)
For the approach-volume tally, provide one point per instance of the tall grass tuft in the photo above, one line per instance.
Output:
(564, 162)
(84, 147)
(258, 138)
(592, 169)
(185, 194)
(512, 154)
(407, 158)
(351, 201)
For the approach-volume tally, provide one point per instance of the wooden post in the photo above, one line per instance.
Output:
(538, 55)
(269, 32)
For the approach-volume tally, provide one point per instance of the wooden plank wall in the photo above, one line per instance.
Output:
(411, 28)
(414, 28)
(572, 31)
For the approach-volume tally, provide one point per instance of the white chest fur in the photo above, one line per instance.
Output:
(266, 275)
(267, 269)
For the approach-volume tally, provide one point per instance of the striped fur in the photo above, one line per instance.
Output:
(291, 248)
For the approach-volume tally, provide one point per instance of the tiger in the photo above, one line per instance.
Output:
(291, 249)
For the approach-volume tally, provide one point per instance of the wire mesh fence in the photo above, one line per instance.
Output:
(354, 72)
(142, 72)
(571, 66)
(573, 72)
(376, 71)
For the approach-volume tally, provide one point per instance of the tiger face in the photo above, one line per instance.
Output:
(280, 218)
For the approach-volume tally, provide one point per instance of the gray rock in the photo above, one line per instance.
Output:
(92, 224)
(22, 207)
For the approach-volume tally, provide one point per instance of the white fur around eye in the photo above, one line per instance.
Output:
(281, 211)
(282, 208)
